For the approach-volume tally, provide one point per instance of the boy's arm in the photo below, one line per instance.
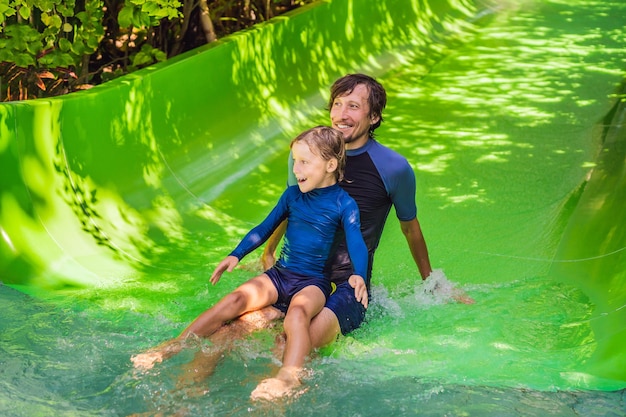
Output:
(360, 289)
(228, 264)
(268, 258)
(261, 233)
(357, 249)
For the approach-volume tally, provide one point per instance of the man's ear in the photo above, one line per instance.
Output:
(375, 118)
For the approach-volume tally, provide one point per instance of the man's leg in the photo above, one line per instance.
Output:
(204, 362)
(324, 328)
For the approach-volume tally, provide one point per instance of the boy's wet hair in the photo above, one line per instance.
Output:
(377, 97)
(327, 143)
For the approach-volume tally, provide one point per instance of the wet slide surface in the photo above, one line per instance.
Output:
(116, 204)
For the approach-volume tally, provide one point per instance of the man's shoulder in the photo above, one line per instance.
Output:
(390, 160)
(379, 149)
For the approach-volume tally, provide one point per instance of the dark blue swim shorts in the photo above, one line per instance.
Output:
(288, 283)
(348, 310)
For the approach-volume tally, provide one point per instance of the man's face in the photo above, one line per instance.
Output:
(350, 114)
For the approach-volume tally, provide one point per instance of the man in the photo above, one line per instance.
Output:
(377, 178)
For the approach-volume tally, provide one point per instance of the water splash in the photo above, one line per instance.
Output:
(437, 289)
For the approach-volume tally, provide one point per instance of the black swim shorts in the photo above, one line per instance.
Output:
(348, 310)
(288, 283)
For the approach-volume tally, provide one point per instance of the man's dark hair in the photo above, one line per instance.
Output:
(377, 99)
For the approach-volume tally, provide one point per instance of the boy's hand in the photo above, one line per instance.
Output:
(228, 264)
(360, 289)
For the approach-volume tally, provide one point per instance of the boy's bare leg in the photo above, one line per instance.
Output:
(251, 296)
(303, 307)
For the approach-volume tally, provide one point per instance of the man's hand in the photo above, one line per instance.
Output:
(360, 289)
(228, 264)
(268, 259)
(461, 296)
(437, 284)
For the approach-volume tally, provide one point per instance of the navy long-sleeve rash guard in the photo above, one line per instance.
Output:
(313, 220)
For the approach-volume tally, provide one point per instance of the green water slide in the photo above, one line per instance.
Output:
(511, 114)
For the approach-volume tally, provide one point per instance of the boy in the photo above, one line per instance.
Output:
(316, 210)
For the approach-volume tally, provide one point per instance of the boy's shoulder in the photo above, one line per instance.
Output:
(291, 193)
(345, 199)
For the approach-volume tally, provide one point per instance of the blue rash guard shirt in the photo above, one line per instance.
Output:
(314, 219)
(376, 177)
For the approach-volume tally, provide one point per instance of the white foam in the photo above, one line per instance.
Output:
(436, 289)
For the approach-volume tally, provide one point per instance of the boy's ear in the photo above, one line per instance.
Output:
(331, 165)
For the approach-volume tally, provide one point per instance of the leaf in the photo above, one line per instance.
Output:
(23, 60)
(65, 45)
(159, 55)
(5, 11)
(56, 21)
(141, 58)
(24, 12)
(78, 48)
(125, 17)
(93, 41)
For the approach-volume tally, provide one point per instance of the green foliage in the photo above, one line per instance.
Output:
(147, 55)
(147, 13)
(46, 37)
(51, 47)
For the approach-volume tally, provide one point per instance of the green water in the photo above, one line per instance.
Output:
(513, 129)
(72, 360)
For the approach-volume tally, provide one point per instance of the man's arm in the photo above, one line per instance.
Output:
(268, 258)
(417, 244)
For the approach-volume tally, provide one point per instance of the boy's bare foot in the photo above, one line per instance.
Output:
(155, 355)
(283, 384)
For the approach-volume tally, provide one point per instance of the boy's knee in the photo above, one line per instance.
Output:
(296, 315)
(236, 299)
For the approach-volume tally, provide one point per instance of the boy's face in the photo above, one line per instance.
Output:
(350, 114)
(310, 169)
